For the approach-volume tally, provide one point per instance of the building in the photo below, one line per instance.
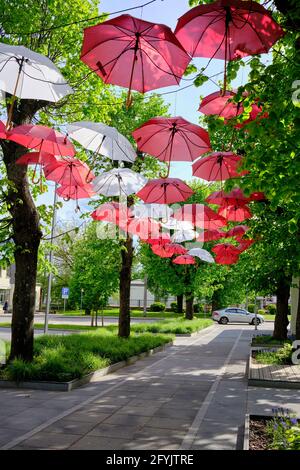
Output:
(7, 284)
(137, 293)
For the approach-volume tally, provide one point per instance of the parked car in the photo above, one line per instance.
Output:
(236, 315)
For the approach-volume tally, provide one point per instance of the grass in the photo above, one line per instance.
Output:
(64, 358)
(174, 326)
(267, 339)
(282, 356)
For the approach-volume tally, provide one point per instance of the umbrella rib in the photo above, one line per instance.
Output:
(142, 69)
(215, 19)
(259, 37)
(152, 135)
(176, 77)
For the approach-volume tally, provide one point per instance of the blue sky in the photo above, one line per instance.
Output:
(183, 103)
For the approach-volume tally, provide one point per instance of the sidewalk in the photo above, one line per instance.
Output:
(191, 396)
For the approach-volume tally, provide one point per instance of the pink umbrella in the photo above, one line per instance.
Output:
(226, 253)
(112, 212)
(210, 235)
(75, 192)
(168, 250)
(184, 259)
(218, 166)
(36, 158)
(238, 231)
(134, 54)
(200, 216)
(221, 105)
(69, 171)
(143, 227)
(162, 239)
(3, 130)
(245, 244)
(229, 259)
(235, 213)
(235, 197)
(42, 139)
(172, 139)
(165, 191)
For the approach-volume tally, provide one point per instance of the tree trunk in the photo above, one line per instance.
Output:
(298, 318)
(189, 311)
(282, 305)
(26, 235)
(180, 303)
(125, 281)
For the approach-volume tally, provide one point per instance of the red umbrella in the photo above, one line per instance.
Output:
(226, 253)
(258, 196)
(165, 191)
(42, 138)
(238, 231)
(75, 192)
(221, 105)
(168, 250)
(134, 54)
(143, 228)
(36, 158)
(235, 213)
(218, 166)
(228, 30)
(200, 216)
(220, 198)
(112, 212)
(162, 239)
(210, 235)
(172, 139)
(245, 244)
(255, 113)
(3, 130)
(184, 259)
(69, 172)
(230, 259)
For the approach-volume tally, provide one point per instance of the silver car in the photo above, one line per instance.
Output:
(236, 315)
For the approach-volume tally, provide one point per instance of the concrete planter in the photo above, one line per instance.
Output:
(92, 377)
(246, 432)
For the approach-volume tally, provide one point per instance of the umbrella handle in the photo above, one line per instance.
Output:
(39, 179)
(87, 180)
(168, 172)
(11, 108)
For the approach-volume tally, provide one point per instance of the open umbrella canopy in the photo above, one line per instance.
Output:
(227, 259)
(119, 182)
(134, 53)
(210, 235)
(168, 250)
(238, 231)
(174, 224)
(3, 130)
(200, 216)
(155, 211)
(235, 213)
(221, 104)
(236, 197)
(102, 139)
(165, 191)
(218, 166)
(172, 139)
(162, 239)
(204, 255)
(36, 158)
(68, 171)
(29, 75)
(113, 212)
(42, 139)
(184, 259)
(75, 192)
(180, 236)
(226, 253)
(143, 228)
(228, 30)
(245, 244)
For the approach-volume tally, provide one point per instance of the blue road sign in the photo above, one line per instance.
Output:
(65, 292)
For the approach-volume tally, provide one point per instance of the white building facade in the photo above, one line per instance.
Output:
(7, 285)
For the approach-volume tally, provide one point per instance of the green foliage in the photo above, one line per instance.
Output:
(173, 307)
(261, 311)
(267, 339)
(271, 309)
(198, 308)
(281, 357)
(157, 307)
(284, 431)
(251, 308)
(174, 326)
(63, 358)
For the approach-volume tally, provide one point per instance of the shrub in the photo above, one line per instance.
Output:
(157, 307)
(271, 309)
(198, 308)
(261, 312)
(251, 308)
(173, 307)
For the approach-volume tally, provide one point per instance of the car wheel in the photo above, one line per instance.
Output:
(255, 321)
(223, 321)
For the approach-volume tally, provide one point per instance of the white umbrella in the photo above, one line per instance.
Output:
(102, 139)
(154, 211)
(119, 182)
(181, 236)
(182, 225)
(204, 255)
(29, 75)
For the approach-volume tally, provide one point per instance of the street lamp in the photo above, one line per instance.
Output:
(81, 298)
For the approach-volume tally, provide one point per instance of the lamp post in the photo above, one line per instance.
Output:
(81, 299)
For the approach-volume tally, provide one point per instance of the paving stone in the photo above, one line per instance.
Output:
(70, 426)
(99, 443)
(127, 420)
(113, 430)
(44, 440)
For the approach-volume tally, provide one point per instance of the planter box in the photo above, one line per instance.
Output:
(272, 376)
(92, 377)
(248, 419)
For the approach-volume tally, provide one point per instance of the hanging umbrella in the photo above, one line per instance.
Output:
(36, 158)
(235, 197)
(143, 228)
(42, 139)
(172, 139)
(165, 191)
(68, 171)
(226, 253)
(256, 113)
(155, 211)
(162, 239)
(168, 250)
(181, 236)
(228, 30)
(102, 139)
(221, 104)
(173, 224)
(226, 259)
(238, 231)
(210, 235)
(134, 54)
(113, 212)
(200, 216)
(218, 166)
(75, 192)
(2, 130)
(235, 213)
(119, 182)
(184, 259)
(258, 196)
(245, 244)
(28, 75)
(204, 255)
